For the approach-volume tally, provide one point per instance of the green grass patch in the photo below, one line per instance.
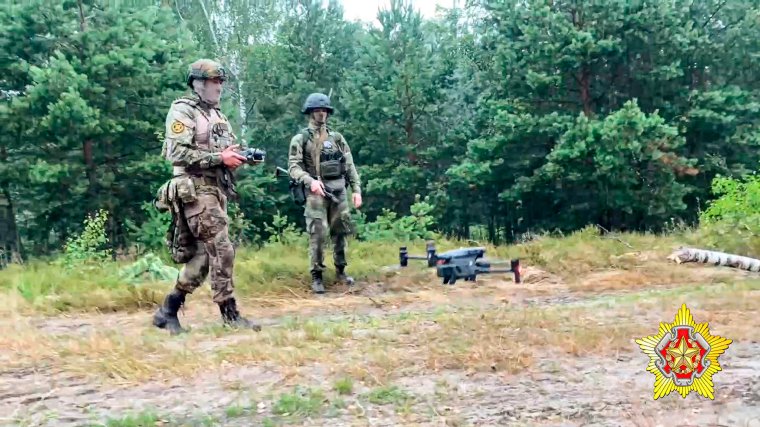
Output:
(274, 270)
(280, 270)
(146, 418)
(392, 395)
(344, 385)
(301, 402)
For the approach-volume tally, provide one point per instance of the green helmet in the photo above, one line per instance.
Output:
(316, 100)
(205, 69)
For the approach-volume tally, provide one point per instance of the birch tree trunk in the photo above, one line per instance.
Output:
(220, 26)
(683, 255)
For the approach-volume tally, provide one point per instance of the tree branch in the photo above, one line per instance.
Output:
(210, 25)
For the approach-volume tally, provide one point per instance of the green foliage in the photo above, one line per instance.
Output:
(344, 385)
(283, 231)
(390, 227)
(149, 267)
(87, 249)
(86, 95)
(738, 200)
(302, 402)
(619, 170)
(151, 233)
(509, 116)
(142, 419)
(238, 223)
(732, 221)
(389, 395)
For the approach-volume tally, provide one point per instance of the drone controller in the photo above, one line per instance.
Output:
(463, 263)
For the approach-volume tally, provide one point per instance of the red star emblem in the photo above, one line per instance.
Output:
(683, 356)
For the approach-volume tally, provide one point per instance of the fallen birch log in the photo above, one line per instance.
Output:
(704, 256)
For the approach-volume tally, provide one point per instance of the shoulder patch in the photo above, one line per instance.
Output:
(178, 126)
(184, 114)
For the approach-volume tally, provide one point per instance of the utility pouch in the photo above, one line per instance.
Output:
(332, 166)
(180, 239)
(185, 189)
(162, 201)
(171, 197)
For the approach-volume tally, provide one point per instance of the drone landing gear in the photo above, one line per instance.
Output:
(463, 263)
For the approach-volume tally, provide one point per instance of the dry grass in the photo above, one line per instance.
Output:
(275, 272)
(620, 288)
(276, 276)
(417, 326)
(589, 250)
(377, 349)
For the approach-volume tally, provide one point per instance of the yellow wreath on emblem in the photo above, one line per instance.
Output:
(178, 127)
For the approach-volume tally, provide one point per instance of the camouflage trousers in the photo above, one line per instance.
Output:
(214, 253)
(324, 216)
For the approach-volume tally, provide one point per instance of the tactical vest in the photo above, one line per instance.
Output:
(331, 162)
(212, 134)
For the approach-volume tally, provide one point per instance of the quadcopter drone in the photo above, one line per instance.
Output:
(463, 263)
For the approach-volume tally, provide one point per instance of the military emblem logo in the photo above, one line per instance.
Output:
(178, 127)
(683, 356)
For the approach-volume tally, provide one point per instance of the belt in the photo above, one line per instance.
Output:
(203, 180)
(181, 170)
(199, 178)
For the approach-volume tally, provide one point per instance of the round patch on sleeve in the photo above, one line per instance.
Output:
(178, 126)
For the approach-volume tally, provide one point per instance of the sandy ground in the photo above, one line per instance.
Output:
(555, 390)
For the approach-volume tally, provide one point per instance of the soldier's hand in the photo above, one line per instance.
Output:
(317, 187)
(230, 158)
(357, 200)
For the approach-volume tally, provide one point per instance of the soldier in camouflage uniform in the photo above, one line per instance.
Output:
(201, 147)
(321, 159)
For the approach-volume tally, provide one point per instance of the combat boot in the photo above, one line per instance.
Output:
(316, 282)
(166, 316)
(343, 277)
(231, 316)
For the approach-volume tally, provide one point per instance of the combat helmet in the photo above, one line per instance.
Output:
(205, 69)
(317, 100)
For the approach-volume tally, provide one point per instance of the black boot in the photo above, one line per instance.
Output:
(166, 316)
(231, 316)
(316, 282)
(343, 277)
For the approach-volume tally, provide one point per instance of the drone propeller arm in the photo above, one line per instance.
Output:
(496, 271)
(518, 278)
(431, 257)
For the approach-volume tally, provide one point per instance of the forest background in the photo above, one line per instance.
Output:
(494, 121)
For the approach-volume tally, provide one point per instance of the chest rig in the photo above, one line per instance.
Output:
(325, 160)
(212, 134)
(212, 131)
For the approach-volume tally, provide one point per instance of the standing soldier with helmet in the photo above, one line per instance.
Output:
(320, 159)
(201, 147)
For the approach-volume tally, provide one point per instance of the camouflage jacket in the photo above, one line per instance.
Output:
(303, 159)
(195, 136)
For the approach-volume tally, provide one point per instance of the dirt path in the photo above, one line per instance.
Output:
(553, 389)
(599, 392)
